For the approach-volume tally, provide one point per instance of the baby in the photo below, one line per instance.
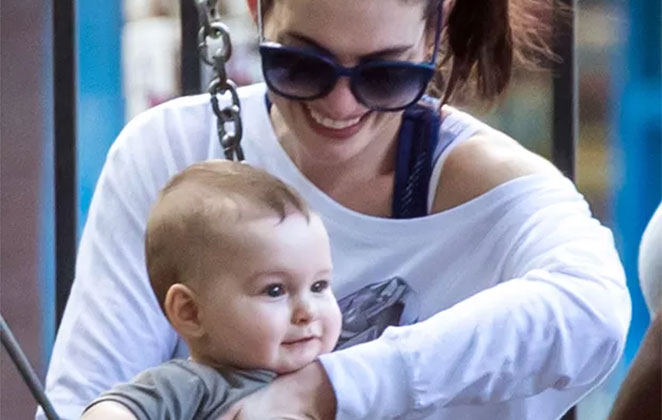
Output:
(242, 270)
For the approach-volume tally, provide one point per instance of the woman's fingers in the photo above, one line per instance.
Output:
(302, 395)
(233, 412)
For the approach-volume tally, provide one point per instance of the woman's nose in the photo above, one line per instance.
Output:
(340, 103)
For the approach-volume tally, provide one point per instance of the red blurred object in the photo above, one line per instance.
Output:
(252, 5)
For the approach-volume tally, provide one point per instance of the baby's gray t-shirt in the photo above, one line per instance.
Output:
(182, 389)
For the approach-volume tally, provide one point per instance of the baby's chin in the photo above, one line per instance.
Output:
(292, 366)
(291, 360)
(295, 363)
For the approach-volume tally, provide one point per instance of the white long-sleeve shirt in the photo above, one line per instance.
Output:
(650, 263)
(519, 293)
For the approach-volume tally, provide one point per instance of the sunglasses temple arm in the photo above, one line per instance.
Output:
(259, 21)
(437, 35)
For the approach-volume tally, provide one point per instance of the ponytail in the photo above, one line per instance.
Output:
(484, 38)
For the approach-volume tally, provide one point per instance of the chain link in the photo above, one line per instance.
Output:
(215, 34)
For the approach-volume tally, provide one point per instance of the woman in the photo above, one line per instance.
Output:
(515, 294)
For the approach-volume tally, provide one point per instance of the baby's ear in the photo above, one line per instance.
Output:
(181, 308)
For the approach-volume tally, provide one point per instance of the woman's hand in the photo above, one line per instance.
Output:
(305, 394)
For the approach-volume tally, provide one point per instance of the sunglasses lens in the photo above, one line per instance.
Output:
(296, 74)
(392, 86)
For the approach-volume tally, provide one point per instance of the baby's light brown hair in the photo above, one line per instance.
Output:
(194, 206)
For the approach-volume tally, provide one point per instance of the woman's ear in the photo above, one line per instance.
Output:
(182, 309)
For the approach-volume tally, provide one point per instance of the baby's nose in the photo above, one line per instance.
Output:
(304, 312)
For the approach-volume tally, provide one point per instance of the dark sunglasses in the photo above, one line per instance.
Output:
(380, 85)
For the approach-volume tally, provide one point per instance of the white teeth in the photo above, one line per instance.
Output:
(328, 122)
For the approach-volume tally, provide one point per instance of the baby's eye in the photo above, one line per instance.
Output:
(319, 286)
(274, 290)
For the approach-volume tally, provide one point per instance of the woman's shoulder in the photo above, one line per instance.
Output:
(191, 111)
(484, 161)
(185, 125)
(165, 124)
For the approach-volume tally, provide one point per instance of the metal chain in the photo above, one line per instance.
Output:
(213, 32)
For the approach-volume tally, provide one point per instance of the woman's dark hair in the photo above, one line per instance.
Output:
(482, 40)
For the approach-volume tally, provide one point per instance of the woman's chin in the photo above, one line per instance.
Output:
(332, 145)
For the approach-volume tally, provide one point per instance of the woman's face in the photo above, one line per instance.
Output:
(336, 128)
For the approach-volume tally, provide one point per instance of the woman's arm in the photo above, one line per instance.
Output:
(113, 327)
(558, 323)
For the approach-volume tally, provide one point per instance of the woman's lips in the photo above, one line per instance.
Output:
(334, 129)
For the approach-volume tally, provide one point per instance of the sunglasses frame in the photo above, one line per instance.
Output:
(428, 67)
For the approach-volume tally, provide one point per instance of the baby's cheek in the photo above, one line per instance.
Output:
(271, 326)
(333, 326)
(258, 345)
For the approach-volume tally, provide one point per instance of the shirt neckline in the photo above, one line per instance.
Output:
(335, 213)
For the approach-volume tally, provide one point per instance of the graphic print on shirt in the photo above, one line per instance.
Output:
(367, 312)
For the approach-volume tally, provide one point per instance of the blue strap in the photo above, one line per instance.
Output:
(417, 141)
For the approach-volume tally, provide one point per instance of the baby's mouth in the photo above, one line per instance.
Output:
(301, 340)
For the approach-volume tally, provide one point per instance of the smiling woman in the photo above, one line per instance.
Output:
(473, 279)
(316, 132)
(376, 82)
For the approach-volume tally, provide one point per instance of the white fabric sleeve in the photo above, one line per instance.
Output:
(650, 263)
(558, 321)
(113, 327)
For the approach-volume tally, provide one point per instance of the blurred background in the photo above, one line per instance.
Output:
(128, 59)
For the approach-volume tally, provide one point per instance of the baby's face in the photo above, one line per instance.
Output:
(271, 305)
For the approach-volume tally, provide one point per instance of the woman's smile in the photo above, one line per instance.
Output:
(329, 127)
